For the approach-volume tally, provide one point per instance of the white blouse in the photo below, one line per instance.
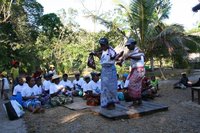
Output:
(107, 55)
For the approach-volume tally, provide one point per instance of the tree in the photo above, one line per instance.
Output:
(50, 25)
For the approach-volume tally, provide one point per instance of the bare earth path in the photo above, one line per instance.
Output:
(182, 117)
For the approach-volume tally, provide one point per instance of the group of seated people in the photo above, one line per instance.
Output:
(49, 89)
(33, 93)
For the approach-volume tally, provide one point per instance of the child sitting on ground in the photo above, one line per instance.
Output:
(183, 83)
(154, 84)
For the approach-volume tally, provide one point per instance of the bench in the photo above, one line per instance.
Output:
(193, 89)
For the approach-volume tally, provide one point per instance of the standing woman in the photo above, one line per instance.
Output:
(107, 57)
(136, 56)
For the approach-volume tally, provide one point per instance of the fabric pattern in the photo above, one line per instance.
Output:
(108, 85)
(135, 82)
(60, 100)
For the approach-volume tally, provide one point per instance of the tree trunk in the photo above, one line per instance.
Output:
(152, 63)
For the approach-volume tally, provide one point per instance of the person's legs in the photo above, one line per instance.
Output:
(5, 94)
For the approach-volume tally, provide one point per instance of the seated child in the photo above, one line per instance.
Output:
(154, 84)
(183, 82)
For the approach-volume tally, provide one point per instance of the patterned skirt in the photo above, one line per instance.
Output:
(108, 85)
(135, 82)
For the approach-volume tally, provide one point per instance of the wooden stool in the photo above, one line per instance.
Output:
(198, 90)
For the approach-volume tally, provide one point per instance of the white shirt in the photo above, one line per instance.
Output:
(38, 89)
(28, 91)
(136, 63)
(46, 85)
(95, 87)
(67, 83)
(6, 84)
(78, 84)
(86, 87)
(106, 56)
(54, 88)
(18, 88)
(52, 72)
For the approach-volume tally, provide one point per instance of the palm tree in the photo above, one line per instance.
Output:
(145, 22)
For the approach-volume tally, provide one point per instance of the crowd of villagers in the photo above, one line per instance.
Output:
(42, 90)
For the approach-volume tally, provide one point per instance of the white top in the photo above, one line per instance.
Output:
(52, 72)
(19, 88)
(106, 56)
(67, 83)
(6, 84)
(78, 84)
(46, 85)
(86, 87)
(54, 88)
(38, 89)
(95, 87)
(28, 91)
(119, 84)
(136, 63)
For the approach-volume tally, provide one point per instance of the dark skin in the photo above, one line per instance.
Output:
(103, 47)
(130, 47)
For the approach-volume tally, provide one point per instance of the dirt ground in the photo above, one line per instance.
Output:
(182, 117)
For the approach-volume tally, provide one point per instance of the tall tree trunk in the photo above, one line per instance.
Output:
(152, 63)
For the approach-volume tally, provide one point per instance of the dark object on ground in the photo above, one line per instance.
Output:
(12, 115)
(196, 8)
